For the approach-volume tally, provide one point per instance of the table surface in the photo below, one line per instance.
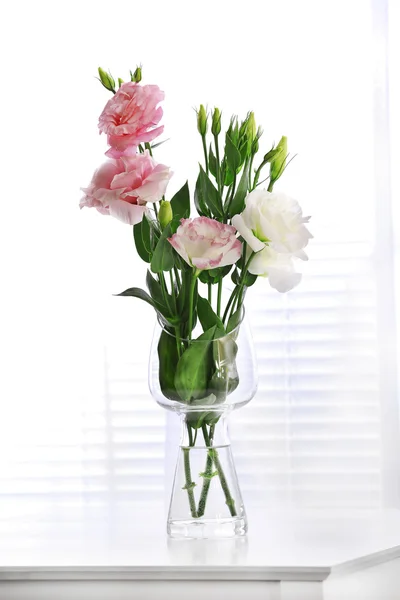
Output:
(122, 539)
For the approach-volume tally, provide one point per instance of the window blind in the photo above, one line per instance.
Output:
(77, 422)
(312, 436)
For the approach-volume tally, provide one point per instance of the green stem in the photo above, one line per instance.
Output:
(178, 281)
(218, 173)
(241, 285)
(209, 292)
(189, 484)
(165, 291)
(191, 297)
(250, 170)
(190, 435)
(213, 458)
(178, 340)
(219, 298)
(231, 198)
(212, 427)
(207, 475)
(270, 186)
(224, 484)
(203, 139)
(230, 301)
(205, 434)
(171, 280)
(155, 209)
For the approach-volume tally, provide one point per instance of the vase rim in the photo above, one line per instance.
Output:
(233, 331)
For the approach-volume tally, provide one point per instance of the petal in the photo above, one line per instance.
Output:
(126, 212)
(232, 255)
(283, 280)
(207, 263)
(175, 243)
(255, 244)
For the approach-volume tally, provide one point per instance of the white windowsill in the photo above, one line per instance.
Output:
(123, 541)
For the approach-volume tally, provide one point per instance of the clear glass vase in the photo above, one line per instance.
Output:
(203, 380)
(206, 501)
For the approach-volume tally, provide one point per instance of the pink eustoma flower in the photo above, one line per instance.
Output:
(121, 188)
(206, 244)
(130, 117)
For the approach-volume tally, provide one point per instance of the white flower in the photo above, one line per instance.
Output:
(274, 228)
(277, 267)
(273, 219)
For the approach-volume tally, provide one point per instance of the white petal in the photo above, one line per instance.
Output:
(283, 280)
(247, 234)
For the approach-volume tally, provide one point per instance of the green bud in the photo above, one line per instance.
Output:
(216, 122)
(233, 130)
(137, 75)
(255, 145)
(270, 155)
(165, 213)
(107, 80)
(278, 161)
(120, 81)
(202, 120)
(251, 128)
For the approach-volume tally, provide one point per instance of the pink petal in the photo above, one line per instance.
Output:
(126, 212)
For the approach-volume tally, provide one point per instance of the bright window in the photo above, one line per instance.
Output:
(76, 417)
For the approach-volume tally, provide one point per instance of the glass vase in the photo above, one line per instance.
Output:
(203, 381)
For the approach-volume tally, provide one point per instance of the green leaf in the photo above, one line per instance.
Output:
(234, 320)
(199, 199)
(155, 290)
(237, 204)
(210, 195)
(159, 144)
(183, 302)
(161, 302)
(168, 360)
(214, 276)
(212, 162)
(225, 378)
(243, 150)
(180, 203)
(207, 317)
(138, 293)
(163, 257)
(141, 234)
(232, 154)
(195, 368)
(249, 279)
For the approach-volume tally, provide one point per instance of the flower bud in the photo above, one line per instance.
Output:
(251, 128)
(165, 213)
(137, 75)
(216, 122)
(107, 80)
(255, 145)
(120, 81)
(278, 161)
(202, 120)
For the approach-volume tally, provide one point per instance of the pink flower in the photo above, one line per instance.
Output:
(206, 244)
(130, 117)
(122, 187)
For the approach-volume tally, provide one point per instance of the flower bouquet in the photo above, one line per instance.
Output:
(202, 362)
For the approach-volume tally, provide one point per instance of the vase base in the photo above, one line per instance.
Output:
(207, 528)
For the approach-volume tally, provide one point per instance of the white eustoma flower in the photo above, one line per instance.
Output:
(274, 228)
(273, 219)
(277, 267)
